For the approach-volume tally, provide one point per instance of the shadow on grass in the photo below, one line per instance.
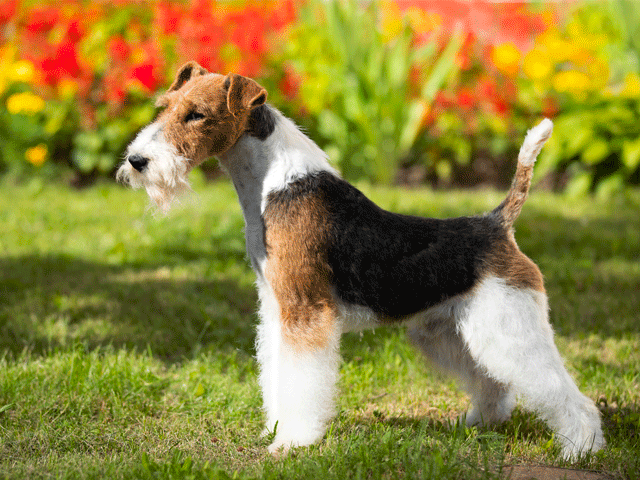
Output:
(51, 302)
(591, 270)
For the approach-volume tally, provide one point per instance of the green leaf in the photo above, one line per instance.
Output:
(84, 160)
(56, 120)
(608, 187)
(106, 162)
(442, 68)
(424, 53)
(199, 390)
(579, 185)
(577, 139)
(412, 126)
(330, 125)
(631, 153)
(90, 141)
(596, 151)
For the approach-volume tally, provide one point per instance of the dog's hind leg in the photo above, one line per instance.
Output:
(506, 330)
(299, 366)
(492, 401)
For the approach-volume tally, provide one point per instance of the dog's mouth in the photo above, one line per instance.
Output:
(163, 185)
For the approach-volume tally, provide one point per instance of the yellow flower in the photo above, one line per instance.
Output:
(36, 155)
(558, 49)
(26, 103)
(572, 81)
(578, 55)
(599, 73)
(537, 64)
(67, 88)
(506, 58)
(631, 87)
(22, 71)
(422, 21)
(7, 53)
(392, 24)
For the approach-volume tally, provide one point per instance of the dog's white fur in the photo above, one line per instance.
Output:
(496, 338)
(534, 141)
(164, 180)
(299, 388)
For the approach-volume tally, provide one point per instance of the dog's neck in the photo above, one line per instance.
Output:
(258, 167)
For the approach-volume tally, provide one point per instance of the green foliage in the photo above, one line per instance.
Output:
(599, 143)
(625, 16)
(357, 85)
(100, 149)
(18, 132)
(596, 137)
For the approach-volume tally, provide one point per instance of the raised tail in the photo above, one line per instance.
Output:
(510, 208)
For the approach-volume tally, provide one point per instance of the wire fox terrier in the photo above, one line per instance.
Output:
(328, 261)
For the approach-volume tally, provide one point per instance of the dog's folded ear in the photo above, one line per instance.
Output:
(243, 93)
(186, 72)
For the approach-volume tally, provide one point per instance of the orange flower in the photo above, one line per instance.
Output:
(36, 155)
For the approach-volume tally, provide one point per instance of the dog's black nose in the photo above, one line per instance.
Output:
(138, 162)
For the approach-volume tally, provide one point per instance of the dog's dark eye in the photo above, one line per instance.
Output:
(193, 116)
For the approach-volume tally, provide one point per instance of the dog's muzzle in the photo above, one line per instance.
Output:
(138, 162)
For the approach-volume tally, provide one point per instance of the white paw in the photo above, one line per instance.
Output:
(288, 438)
(470, 418)
(591, 444)
(281, 447)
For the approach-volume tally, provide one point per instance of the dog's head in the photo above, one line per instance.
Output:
(204, 115)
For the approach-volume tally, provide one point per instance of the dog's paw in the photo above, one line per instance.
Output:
(280, 448)
(471, 418)
(587, 444)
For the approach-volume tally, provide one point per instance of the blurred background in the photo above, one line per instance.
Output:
(397, 92)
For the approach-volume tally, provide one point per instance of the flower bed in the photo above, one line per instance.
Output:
(441, 91)
(78, 77)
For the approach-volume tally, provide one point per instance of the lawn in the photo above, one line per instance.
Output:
(126, 344)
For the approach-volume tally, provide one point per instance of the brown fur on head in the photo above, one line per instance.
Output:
(206, 113)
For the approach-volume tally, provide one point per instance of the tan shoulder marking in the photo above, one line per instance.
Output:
(296, 236)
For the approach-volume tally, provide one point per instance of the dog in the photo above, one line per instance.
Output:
(328, 261)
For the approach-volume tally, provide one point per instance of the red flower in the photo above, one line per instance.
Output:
(550, 107)
(62, 63)
(7, 11)
(42, 20)
(74, 31)
(444, 100)
(283, 15)
(500, 106)
(119, 50)
(200, 35)
(465, 98)
(146, 74)
(290, 83)
(249, 31)
(465, 53)
(519, 26)
(249, 66)
(487, 89)
(67, 59)
(167, 17)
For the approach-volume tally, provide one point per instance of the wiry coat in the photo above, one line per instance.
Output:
(329, 260)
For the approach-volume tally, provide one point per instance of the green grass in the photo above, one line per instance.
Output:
(126, 345)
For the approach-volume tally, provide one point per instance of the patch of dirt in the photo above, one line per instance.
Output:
(544, 472)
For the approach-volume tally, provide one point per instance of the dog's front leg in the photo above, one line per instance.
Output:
(299, 360)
